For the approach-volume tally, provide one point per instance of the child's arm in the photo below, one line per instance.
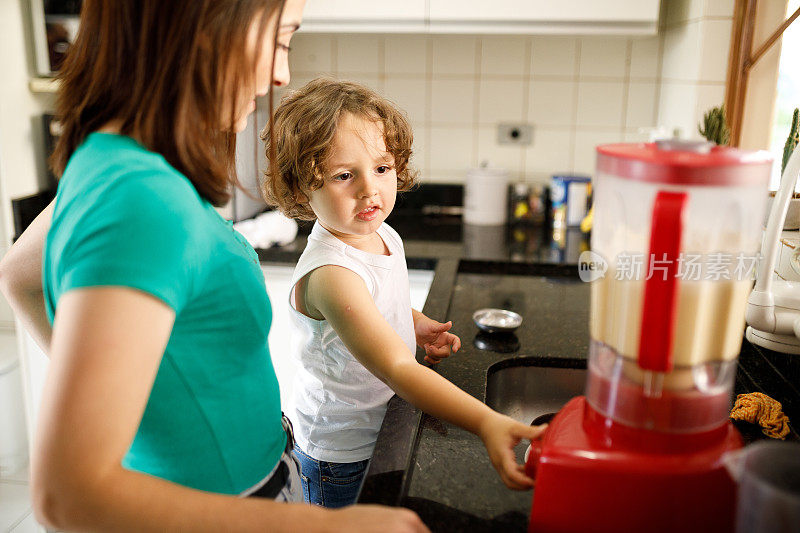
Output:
(434, 337)
(341, 297)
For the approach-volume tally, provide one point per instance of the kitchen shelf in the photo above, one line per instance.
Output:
(44, 85)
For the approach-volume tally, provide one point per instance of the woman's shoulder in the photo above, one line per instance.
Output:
(116, 169)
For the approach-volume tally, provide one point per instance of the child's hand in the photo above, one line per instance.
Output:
(435, 338)
(500, 434)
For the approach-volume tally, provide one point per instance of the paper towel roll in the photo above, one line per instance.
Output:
(486, 196)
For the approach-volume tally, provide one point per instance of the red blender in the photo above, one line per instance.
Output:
(675, 240)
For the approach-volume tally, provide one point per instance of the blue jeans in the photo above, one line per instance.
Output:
(330, 484)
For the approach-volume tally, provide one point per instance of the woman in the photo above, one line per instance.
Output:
(161, 408)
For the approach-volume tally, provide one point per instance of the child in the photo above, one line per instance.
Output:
(341, 155)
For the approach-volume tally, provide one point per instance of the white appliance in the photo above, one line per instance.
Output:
(486, 196)
(773, 308)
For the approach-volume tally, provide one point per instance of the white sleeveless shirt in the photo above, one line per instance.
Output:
(338, 405)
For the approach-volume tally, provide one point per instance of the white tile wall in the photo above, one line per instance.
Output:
(373, 81)
(506, 56)
(453, 101)
(405, 54)
(716, 35)
(572, 90)
(681, 11)
(719, 8)
(642, 108)
(601, 103)
(359, 54)
(451, 151)
(410, 94)
(682, 45)
(708, 96)
(313, 53)
(677, 106)
(419, 157)
(645, 59)
(554, 56)
(696, 42)
(507, 156)
(454, 55)
(603, 57)
(550, 153)
(585, 142)
(501, 101)
(552, 102)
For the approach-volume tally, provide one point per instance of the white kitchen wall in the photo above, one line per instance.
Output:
(696, 39)
(576, 92)
(22, 169)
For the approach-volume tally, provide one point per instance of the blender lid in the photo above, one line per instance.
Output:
(684, 163)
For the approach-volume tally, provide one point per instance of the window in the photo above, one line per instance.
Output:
(788, 93)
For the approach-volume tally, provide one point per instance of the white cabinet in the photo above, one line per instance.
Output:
(408, 16)
(33, 366)
(544, 16)
(628, 17)
(278, 279)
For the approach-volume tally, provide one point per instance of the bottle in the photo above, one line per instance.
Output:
(520, 209)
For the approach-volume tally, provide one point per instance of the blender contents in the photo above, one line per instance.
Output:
(710, 318)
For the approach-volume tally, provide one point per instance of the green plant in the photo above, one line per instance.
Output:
(714, 127)
(792, 140)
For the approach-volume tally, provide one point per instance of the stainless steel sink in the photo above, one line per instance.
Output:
(526, 388)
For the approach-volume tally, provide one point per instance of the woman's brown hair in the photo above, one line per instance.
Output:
(166, 71)
(301, 133)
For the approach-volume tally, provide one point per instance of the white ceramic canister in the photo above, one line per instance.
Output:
(486, 196)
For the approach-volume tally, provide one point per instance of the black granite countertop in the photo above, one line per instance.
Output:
(442, 471)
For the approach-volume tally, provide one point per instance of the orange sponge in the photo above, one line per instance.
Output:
(758, 408)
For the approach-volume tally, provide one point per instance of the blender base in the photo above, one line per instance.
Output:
(587, 481)
(772, 341)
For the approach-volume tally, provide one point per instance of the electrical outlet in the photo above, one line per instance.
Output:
(516, 133)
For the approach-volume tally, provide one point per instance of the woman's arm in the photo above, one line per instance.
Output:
(342, 298)
(107, 347)
(21, 278)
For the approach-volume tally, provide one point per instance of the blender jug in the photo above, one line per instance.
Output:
(679, 225)
(768, 474)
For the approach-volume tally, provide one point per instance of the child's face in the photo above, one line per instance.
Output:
(360, 184)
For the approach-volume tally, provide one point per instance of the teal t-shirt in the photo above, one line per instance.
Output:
(125, 217)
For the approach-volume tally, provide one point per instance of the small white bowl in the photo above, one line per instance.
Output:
(496, 320)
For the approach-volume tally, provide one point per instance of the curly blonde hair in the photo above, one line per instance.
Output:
(304, 126)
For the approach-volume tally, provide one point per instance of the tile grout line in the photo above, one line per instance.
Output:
(575, 100)
(20, 520)
(13, 482)
(335, 56)
(626, 89)
(428, 102)
(382, 64)
(476, 108)
(659, 80)
(526, 106)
